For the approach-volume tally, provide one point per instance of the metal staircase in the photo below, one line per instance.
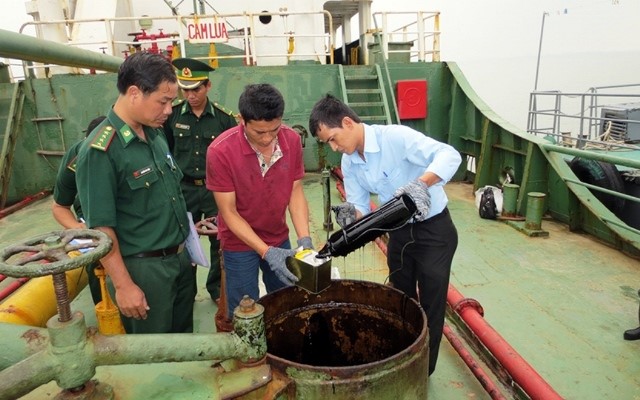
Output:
(11, 102)
(364, 91)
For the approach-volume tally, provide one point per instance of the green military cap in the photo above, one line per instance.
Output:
(191, 73)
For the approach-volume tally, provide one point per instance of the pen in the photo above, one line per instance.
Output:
(171, 161)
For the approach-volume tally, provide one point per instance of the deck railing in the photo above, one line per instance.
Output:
(596, 118)
(410, 40)
(171, 34)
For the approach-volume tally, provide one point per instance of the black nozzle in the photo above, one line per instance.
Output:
(391, 215)
(325, 252)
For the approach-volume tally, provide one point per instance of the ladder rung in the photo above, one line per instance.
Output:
(361, 78)
(363, 91)
(374, 118)
(47, 119)
(367, 104)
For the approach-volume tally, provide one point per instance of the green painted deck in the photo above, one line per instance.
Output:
(562, 302)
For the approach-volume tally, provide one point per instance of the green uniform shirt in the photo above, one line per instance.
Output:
(65, 190)
(132, 186)
(189, 136)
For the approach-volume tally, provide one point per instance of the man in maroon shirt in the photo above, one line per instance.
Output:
(255, 171)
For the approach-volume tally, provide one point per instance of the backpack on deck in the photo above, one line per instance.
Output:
(487, 208)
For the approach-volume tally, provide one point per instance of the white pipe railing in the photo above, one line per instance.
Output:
(244, 39)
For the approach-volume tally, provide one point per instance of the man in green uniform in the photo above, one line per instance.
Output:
(65, 195)
(192, 126)
(129, 188)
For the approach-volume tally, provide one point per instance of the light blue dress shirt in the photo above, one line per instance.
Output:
(395, 155)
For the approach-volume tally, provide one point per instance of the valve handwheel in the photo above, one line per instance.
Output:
(26, 259)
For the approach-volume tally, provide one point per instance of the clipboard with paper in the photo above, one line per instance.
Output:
(193, 245)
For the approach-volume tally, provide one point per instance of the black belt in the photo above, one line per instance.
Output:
(436, 217)
(193, 181)
(161, 253)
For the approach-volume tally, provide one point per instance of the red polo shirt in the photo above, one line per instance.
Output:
(232, 166)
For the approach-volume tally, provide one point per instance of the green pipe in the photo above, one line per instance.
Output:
(592, 155)
(72, 355)
(27, 48)
(603, 190)
(155, 348)
(510, 199)
(326, 201)
(19, 342)
(535, 208)
(27, 375)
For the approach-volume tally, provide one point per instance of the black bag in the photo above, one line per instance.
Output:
(488, 208)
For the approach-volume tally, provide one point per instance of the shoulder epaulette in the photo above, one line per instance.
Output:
(224, 110)
(103, 139)
(177, 102)
(72, 164)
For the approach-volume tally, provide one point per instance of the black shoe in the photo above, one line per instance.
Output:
(632, 334)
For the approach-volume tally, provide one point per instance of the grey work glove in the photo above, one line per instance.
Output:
(305, 242)
(345, 214)
(276, 257)
(419, 193)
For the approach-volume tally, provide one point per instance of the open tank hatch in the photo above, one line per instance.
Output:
(355, 339)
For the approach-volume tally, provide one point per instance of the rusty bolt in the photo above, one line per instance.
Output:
(247, 304)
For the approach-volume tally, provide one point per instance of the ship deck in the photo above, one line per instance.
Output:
(562, 302)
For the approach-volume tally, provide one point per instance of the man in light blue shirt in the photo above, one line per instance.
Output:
(389, 161)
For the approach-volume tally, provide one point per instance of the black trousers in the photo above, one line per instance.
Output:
(419, 257)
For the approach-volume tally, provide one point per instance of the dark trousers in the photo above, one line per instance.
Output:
(169, 285)
(201, 204)
(419, 257)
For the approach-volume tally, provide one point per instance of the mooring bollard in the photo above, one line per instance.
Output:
(509, 199)
(535, 208)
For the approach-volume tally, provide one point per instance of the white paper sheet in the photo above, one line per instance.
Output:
(193, 245)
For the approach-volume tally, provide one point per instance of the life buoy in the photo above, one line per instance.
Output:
(604, 175)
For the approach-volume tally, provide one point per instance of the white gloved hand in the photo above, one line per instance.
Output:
(276, 257)
(345, 214)
(305, 242)
(419, 193)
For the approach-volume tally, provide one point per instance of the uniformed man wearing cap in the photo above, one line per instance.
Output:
(192, 126)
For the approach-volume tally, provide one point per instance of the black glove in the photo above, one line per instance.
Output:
(345, 214)
(305, 242)
(419, 193)
(276, 257)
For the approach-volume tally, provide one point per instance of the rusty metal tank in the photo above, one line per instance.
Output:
(353, 340)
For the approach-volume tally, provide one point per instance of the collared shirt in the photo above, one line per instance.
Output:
(232, 166)
(65, 191)
(132, 186)
(264, 163)
(394, 156)
(189, 136)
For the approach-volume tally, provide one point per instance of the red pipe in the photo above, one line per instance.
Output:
(521, 372)
(12, 287)
(478, 372)
(23, 203)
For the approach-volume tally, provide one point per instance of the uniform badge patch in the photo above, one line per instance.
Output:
(182, 126)
(142, 172)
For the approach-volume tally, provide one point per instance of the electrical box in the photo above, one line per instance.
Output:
(621, 122)
(411, 96)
